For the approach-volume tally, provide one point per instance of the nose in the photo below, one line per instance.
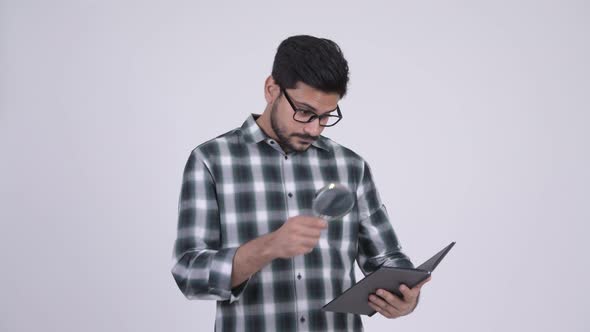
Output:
(313, 128)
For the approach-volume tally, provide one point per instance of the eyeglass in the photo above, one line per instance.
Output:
(306, 116)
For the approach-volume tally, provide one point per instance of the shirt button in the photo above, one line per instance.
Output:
(286, 157)
(299, 276)
(272, 142)
(290, 195)
(302, 319)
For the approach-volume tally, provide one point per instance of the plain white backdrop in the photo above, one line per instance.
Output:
(473, 115)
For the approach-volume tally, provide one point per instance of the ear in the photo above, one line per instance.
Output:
(271, 90)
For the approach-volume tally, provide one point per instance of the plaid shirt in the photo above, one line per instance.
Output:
(242, 185)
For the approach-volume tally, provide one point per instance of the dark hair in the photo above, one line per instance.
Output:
(317, 62)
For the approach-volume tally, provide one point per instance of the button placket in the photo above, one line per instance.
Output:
(292, 207)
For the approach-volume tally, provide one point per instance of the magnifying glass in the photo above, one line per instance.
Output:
(333, 201)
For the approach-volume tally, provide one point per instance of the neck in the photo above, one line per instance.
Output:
(263, 122)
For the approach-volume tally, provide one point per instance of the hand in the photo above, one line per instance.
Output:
(298, 236)
(391, 306)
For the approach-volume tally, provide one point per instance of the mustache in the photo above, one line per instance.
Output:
(306, 137)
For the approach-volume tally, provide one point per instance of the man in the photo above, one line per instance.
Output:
(246, 233)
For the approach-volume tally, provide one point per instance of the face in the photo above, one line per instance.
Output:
(297, 136)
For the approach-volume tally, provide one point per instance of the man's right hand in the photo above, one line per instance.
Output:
(298, 236)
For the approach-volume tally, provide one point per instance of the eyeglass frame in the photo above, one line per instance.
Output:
(315, 116)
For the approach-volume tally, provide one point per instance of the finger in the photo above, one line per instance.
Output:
(376, 300)
(304, 227)
(310, 232)
(381, 311)
(423, 282)
(309, 243)
(304, 250)
(386, 308)
(390, 298)
(314, 222)
(416, 290)
(319, 224)
(410, 295)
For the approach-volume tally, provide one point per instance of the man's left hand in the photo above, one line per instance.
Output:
(392, 306)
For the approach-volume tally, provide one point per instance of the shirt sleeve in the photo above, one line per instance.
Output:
(377, 242)
(201, 267)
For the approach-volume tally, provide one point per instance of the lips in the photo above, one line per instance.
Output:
(305, 141)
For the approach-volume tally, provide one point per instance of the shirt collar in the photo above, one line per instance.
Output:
(252, 133)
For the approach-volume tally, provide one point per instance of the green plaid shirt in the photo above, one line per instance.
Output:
(242, 185)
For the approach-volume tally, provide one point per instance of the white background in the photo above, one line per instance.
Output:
(473, 115)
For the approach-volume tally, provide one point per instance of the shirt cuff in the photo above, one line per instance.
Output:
(237, 291)
(220, 275)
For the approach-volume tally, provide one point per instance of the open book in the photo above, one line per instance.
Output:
(355, 299)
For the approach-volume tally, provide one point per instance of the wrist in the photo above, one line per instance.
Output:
(269, 250)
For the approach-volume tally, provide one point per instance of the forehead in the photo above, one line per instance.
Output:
(321, 101)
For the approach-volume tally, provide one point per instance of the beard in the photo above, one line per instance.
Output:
(283, 139)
